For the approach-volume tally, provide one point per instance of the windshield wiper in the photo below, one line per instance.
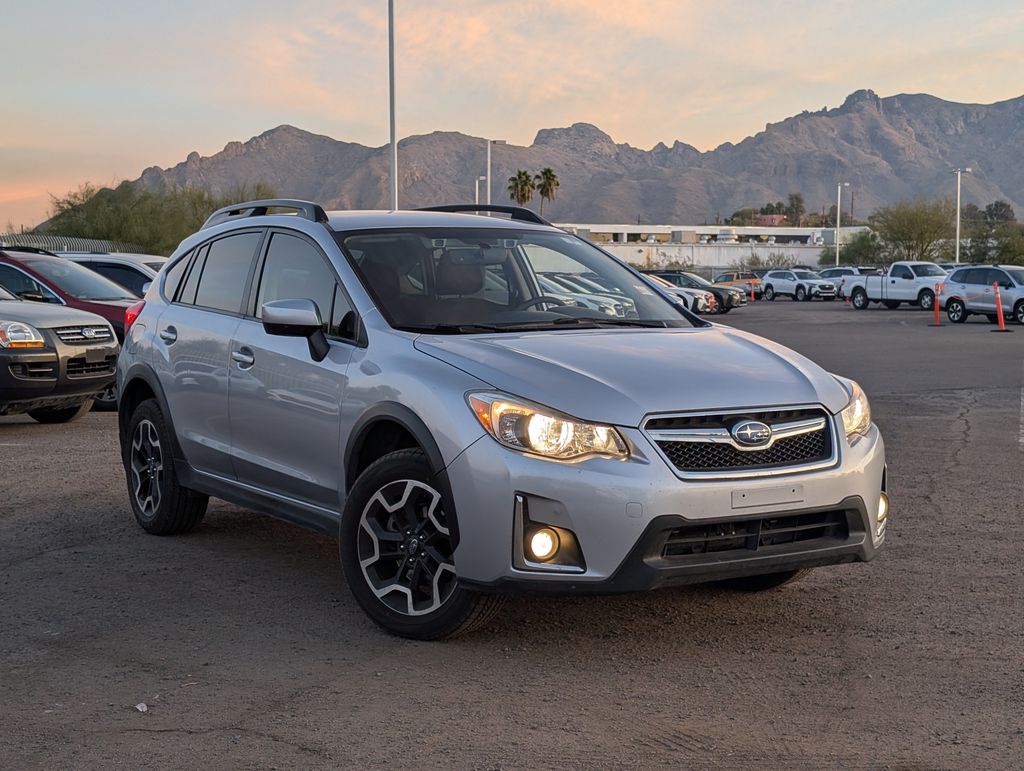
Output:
(610, 322)
(450, 329)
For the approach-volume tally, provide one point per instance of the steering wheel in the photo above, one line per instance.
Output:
(538, 300)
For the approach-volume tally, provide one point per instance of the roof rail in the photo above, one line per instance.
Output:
(30, 249)
(306, 209)
(517, 212)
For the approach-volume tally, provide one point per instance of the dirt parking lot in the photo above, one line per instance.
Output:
(245, 646)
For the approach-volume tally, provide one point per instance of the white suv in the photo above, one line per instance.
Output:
(798, 284)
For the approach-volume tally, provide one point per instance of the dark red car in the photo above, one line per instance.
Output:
(33, 274)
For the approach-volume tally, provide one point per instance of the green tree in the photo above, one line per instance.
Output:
(999, 211)
(157, 220)
(795, 209)
(742, 217)
(521, 187)
(916, 230)
(864, 248)
(547, 185)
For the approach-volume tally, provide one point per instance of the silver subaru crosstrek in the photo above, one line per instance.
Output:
(399, 380)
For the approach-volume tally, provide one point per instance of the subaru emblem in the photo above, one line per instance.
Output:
(751, 433)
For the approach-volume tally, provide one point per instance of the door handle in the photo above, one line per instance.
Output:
(169, 335)
(244, 357)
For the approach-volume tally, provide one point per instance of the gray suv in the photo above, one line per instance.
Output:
(399, 380)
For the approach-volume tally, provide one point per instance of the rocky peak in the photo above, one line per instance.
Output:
(578, 138)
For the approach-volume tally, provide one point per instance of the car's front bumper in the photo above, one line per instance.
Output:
(54, 377)
(622, 512)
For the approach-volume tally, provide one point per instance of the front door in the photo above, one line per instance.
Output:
(285, 406)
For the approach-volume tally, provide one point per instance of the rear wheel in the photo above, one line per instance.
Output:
(397, 552)
(162, 506)
(769, 293)
(62, 415)
(801, 294)
(926, 299)
(764, 582)
(955, 311)
(859, 298)
(1018, 312)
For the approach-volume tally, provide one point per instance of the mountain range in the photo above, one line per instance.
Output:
(888, 149)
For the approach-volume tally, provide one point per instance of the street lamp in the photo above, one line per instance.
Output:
(391, 92)
(839, 213)
(958, 171)
(489, 143)
(476, 195)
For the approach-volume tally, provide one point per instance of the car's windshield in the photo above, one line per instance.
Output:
(806, 274)
(464, 280)
(1017, 274)
(5, 295)
(78, 281)
(698, 280)
(926, 269)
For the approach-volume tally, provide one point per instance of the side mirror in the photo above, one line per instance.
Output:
(296, 318)
(36, 297)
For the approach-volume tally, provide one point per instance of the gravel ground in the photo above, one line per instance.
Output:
(245, 646)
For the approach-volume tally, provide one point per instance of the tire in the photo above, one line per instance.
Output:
(765, 581)
(926, 299)
(106, 400)
(892, 304)
(394, 502)
(769, 293)
(956, 311)
(1018, 312)
(801, 294)
(860, 300)
(162, 506)
(62, 415)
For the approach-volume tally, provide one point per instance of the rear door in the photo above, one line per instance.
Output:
(194, 334)
(286, 407)
(975, 281)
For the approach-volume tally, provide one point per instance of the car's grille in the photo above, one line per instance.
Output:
(756, 534)
(82, 368)
(90, 333)
(30, 370)
(701, 444)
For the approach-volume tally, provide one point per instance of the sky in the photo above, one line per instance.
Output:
(97, 91)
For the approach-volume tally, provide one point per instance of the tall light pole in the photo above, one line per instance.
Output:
(839, 212)
(391, 89)
(958, 171)
(476, 195)
(489, 143)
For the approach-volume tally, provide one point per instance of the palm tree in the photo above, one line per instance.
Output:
(521, 187)
(547, 185)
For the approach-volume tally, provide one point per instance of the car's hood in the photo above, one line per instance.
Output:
(46, 315)
(618, 376)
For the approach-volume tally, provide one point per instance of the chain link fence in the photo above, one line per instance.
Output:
(66, 243)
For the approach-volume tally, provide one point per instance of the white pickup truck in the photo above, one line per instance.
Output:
(905, 282)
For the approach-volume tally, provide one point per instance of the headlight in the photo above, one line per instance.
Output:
(17, 334)
(857, 414)
(531, 428)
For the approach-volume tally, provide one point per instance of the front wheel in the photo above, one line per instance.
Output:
(926, 299)
(764, 582)
(106, 400)
(859, 298)
(162, 506)
(769, 293)
(956, 312)
(397, 552)
(62, 415)
(801, 294)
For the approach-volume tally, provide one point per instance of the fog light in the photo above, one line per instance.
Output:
(543, 544)
(883, 514)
